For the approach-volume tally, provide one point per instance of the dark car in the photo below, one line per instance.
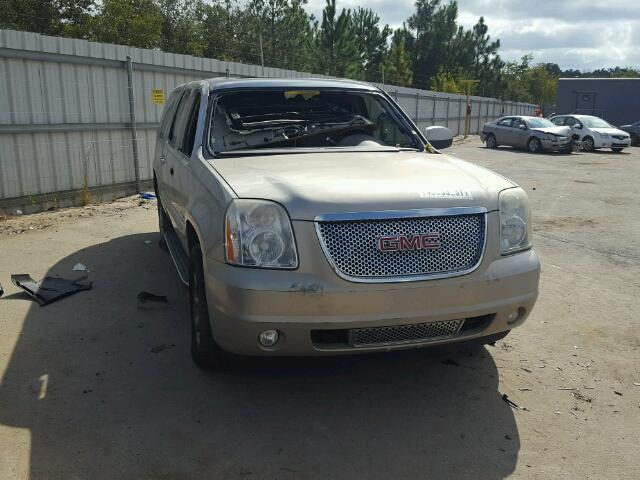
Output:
(533, 133)
(634, 131)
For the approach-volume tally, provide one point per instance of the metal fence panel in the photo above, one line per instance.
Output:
(65, 121)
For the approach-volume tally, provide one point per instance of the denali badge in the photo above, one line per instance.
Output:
(420, 241)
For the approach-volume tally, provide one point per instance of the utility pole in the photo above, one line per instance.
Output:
(467, 119)
(261, 53)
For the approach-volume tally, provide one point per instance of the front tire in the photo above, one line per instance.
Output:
(588, 144)
(491, 142)
(534, 145)
(204, 350)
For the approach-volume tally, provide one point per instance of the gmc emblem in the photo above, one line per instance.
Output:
(420, 241)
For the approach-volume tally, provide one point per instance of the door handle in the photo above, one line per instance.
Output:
(163, 159)
(171, 170)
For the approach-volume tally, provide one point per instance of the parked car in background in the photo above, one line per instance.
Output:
(311, 217)
(594, 132)
(533, 133)
(634, 131)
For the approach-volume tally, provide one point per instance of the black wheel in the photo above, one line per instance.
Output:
(588, 145)
(204, 350)
(616, 149)
(491, 142)
(534, 145)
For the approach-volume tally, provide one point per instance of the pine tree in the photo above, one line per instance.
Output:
(336, 46)
(397, 64)
(372, 43)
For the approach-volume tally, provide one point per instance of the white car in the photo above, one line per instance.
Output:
(594, 132)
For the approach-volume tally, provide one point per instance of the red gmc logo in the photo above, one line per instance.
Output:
(420, 241)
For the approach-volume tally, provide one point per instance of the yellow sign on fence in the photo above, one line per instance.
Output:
(157, 96)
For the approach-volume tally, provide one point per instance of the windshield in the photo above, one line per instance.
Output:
(277, 119)
(539, 123)
(594, 122)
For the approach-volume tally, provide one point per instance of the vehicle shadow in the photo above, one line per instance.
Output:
(108, 390)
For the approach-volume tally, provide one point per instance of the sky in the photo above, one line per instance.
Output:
(580, 34)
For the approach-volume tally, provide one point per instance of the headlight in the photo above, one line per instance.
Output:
(515, 227)
(604, 135)
(258, 233)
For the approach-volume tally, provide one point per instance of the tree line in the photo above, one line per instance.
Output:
(430, 50)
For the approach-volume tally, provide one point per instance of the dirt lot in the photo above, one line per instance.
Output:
(94, 387)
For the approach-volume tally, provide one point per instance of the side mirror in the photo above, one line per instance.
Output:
(439, 137)
(578, 126)
(522, 127)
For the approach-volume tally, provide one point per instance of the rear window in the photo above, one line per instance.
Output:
(292, 119)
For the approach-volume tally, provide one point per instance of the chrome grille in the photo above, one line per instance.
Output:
(352, 247)
(360, 337)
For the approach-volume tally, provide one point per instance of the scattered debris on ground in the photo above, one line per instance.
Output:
(161, 347)
(146, 297)
(511, 403)
(49, 289)
(16, 224)
(450, 361)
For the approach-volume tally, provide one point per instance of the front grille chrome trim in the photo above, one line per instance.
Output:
(391, 214)
(404, 334)
(399, 214)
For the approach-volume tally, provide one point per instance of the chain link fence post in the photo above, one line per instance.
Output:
(447, 112)
(433, 114)
(132, 123)
(459, 114)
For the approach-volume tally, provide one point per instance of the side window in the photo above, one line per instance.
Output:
(570, 121)
(168, 114)
(505, 122)
(179, 120)
(517, 123)
(558, 120)
(192, 123)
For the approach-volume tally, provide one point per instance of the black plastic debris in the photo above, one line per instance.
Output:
(162, 347)
(511, 403)
(451, 362)
(50, 289)
(146, 297)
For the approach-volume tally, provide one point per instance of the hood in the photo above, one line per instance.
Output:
(311, 184)
(564, 131)
(609, 131)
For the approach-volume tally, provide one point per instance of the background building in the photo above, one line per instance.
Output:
(617, 100)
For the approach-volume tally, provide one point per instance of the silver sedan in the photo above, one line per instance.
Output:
(533, 133)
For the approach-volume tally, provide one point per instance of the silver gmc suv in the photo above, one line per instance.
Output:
(312, 217)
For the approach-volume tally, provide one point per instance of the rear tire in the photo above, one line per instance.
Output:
(588, 144)
(491, 142)
(204, 350)
(534, 145)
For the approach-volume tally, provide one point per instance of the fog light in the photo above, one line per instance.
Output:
(515, 315)
(268, 338)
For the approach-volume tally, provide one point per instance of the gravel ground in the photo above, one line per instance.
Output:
(95, 387)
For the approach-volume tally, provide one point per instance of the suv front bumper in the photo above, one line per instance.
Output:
(243, 302)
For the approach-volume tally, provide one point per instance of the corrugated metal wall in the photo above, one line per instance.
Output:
(65, 111)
